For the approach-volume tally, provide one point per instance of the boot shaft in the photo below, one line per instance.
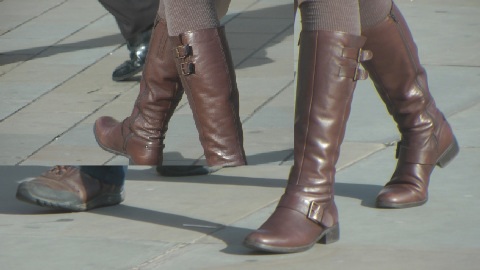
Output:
(328, 68)
(160, 88)
(401, 82)
(206, 68)
(396, 72)
(140, 136)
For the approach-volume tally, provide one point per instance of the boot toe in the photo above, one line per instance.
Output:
(264, 240)
(295, 234)
(108, 134)
(399, 196)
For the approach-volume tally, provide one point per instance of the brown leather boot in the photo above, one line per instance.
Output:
(205, 66)
(67, 188)
(140, 136)
(327, 74)
(401, 81)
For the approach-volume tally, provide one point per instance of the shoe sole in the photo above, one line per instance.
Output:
(328, 236)
(127, 76)
(106, 199)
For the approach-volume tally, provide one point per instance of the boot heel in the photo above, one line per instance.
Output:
(449, 154)
(330, 235)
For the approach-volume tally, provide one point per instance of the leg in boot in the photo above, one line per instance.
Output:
(140, 136)
(327, 74)
(205, 66)
(306, 213)
(427, 138)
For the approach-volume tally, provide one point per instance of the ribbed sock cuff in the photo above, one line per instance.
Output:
(190, 15)
(373, 12)
(330, 15)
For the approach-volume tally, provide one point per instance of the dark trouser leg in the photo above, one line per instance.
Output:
(133, 16)
(112, 175)
(135, 20)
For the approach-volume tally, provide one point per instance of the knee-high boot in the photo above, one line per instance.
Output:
(427, 139)
(327, 74)
(140, 136)
(206, 69)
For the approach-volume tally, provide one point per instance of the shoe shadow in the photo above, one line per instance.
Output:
(229, 234)
(280, 11)
(232, 236)
(47, 51)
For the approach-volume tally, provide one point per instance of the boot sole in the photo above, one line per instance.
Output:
(328, 236)
(445, 158)
(107, 199)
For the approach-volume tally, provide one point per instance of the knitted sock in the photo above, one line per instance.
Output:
(190, 15)
(373, 12)
(328, 15)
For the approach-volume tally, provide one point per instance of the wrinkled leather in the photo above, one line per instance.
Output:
(306, 212)
(205, 66)
(401, 81)
(140, 136)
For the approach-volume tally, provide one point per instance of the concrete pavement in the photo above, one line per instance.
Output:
(56, 59)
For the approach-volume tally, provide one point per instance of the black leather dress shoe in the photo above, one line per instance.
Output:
(138, 48)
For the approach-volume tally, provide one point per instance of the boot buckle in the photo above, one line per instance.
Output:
(183, 51)
(187, 68)
(315, 212)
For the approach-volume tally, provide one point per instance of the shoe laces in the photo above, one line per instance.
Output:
(59, 170)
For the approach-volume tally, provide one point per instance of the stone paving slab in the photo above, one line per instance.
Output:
(171, 219)
(47, 110)
(80, 93)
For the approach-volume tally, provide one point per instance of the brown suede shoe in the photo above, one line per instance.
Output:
(67, 188)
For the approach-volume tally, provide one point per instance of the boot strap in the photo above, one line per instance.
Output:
(183, 52)
(360, 55)
(355, 72)
(405, 155)
(313, 210)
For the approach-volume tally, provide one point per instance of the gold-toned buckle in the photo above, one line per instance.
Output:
(183, 51)
(187, 68)
(314, 210)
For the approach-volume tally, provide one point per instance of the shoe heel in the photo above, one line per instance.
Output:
(330, 235)
(449, 154)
